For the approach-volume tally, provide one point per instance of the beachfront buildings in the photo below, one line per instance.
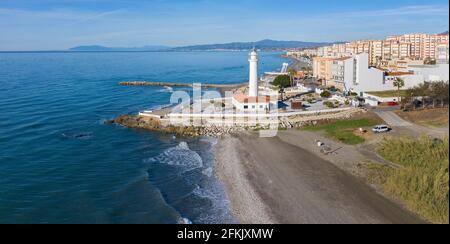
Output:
(354, 74)
(442, 53)
(422, 45)
(408, 47)
(322, 68)
(373, 65)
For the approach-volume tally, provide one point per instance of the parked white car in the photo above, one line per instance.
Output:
(381, 129)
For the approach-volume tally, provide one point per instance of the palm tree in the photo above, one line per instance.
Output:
(292, 72)
(399, 83)
(281, 92)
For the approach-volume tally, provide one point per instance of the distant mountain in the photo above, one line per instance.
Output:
(264, 44)
(97, 48)
(444, 33)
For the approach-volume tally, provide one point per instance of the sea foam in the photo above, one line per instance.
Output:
(181, 156)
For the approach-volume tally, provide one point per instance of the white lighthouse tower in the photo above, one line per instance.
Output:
(252, 102)
(253, 81)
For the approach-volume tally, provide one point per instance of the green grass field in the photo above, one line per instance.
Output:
(343, 130)
(423, 181)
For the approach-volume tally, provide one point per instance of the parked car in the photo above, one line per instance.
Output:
(381, 129)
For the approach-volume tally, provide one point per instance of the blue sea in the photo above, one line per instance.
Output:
(59, 161)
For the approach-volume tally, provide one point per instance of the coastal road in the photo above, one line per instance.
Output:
(298, 187)
(402, 126)
(392, 119)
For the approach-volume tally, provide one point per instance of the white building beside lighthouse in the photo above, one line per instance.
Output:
(252, 102)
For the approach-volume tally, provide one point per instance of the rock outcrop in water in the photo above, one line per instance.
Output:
(156, 125)
(186, 131)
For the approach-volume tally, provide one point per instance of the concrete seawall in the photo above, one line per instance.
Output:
(148, 83)
(193, 125)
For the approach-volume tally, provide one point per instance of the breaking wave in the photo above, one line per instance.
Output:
(185, 176)
(181, 156)
(167, 89)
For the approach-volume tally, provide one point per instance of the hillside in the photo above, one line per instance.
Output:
(264, 44)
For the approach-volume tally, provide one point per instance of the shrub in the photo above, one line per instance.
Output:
(325, 94)
(329, 104)
(423, 181)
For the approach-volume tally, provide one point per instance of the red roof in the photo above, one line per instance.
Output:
(399, 73)
(241, 98)
(342, 59)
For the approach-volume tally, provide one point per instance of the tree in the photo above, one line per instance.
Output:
(399, 83)
(408, 98)
(282, 81)
(439, 91)
(292, 72)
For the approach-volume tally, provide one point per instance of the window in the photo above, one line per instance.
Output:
(245, 106)
(261, 106)
(253, 107)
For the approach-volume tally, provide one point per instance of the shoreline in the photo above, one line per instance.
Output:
(275, 180)
(247, 207)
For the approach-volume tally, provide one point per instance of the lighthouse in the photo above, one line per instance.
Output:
(252, 102)
(253, 80)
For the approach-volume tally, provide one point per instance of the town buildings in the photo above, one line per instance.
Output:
(355, 75)
(422, 45)
(409, 47)
(322, 68)
(374, 65)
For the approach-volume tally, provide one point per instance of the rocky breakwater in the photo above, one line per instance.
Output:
(152, 124)
(149, 83)
(302, 121)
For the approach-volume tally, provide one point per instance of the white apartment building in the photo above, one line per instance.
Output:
(442, 53)
(354, 74)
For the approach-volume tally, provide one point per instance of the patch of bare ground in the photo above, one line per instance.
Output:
(437, 117)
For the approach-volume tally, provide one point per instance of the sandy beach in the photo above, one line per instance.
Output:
(281, 180)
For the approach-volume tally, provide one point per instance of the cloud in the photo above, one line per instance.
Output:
(407, 10)
(57, 14)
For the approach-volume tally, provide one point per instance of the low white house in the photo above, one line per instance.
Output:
(373, 99)
(319, 90)
(302, 88)
(246, 103)
(371, 102)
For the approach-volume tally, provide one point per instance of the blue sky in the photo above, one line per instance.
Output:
(61, 24)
